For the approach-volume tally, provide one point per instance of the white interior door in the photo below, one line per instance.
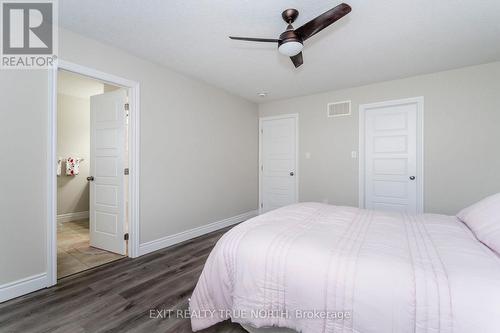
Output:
(391, 157)
(107, 151)
(278, 162)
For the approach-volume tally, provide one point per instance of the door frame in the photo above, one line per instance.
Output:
(363, 108)
(294, 116)
(133, 162)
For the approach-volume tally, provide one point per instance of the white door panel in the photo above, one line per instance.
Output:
(391, 158)
(278, 159)
(107, 209)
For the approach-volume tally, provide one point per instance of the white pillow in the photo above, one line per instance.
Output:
(483, 218)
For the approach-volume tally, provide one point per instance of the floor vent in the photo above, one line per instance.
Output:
(339, 109)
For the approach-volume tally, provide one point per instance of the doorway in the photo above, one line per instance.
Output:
(278, 160)
(91, 134)
(93, 169)
(391, 156)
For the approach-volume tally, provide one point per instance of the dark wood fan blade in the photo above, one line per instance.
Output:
(265, 40)
(324, 20)
(297, 60)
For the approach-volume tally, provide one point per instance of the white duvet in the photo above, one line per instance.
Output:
(319, 268)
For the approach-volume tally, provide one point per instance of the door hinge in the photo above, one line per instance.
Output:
(126, 171)
(261, 205)
(125, 237)
(262, 167)
(127, 108)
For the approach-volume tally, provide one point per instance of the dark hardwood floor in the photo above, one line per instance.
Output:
(118, 297)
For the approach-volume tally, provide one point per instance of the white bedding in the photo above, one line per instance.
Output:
(384, 272)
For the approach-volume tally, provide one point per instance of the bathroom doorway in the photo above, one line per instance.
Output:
(92, 150)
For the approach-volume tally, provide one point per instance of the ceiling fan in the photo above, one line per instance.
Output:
(291, 42)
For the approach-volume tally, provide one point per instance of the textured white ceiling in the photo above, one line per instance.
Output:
(380, 40)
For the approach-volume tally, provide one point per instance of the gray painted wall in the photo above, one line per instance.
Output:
(73, 139)
(23, 186)
(199, 148)
(462, 136)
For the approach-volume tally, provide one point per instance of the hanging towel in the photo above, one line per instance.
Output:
(59, 166)
(73, 166)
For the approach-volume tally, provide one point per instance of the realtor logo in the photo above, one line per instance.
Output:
(29, 33)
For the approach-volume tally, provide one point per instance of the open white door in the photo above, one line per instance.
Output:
(107, 153)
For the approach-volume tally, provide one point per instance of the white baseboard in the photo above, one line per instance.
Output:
(164, 242)
(40, 281)
(22, 287)
(72, 217)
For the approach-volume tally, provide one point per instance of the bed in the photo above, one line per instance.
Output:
(314, 268)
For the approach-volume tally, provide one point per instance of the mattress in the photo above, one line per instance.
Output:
(251, 329)
(313, 268)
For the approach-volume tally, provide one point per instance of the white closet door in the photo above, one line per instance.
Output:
(278, 162)
(391, 158)
(107, 151)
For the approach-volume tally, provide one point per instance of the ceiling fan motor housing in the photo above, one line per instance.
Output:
(289, 36)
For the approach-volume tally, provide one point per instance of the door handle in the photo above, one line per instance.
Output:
(90, 179)
(412, 177)
(292, 174)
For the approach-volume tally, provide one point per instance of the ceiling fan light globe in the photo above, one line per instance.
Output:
(291, 48)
